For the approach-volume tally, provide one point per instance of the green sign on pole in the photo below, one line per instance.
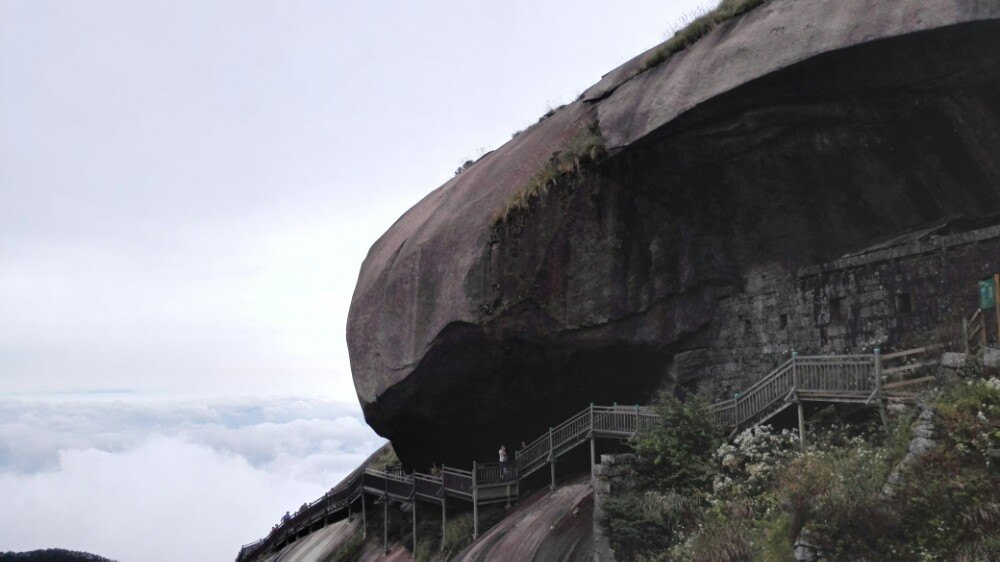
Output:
(987, 297)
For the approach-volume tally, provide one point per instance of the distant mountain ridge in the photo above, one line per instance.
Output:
(52, 555)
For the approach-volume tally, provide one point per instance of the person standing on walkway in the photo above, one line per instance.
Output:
(503, 462)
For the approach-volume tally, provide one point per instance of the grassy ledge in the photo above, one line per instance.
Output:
(697, 28)
(584, 148)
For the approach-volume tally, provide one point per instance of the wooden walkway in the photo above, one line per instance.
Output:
(802, 379)
(486, 483)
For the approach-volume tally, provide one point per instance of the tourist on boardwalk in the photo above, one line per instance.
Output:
(286, 517)
(503, 462)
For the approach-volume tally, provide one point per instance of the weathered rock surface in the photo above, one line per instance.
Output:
(614, 476)
(548, 525)
(319, 545)
(953, 360)
(991, 357)
(787, 136)
(925, 437)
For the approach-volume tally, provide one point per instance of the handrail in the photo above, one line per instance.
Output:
(822, 374)
(766, 378)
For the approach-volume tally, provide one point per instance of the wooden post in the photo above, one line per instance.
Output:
(996, 307)
(444, 519)
(552, 461)
(364, 516)
(475, 504)
(795, 374)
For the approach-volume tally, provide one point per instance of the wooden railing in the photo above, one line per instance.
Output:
(833, 378)
(974, 329)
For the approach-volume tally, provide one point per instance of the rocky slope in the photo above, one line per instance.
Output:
(546, 525)
(784, 137)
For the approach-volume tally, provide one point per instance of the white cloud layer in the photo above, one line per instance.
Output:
(167, 479)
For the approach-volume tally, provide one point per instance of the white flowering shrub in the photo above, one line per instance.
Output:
(749, 465)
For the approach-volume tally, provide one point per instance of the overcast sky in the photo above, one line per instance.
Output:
(187, 191)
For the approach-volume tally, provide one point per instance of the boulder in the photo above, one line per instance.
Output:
(953, 360)
(991, 357)
(785, 136)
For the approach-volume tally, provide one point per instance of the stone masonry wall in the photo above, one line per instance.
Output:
(613, 476)
(893, 298)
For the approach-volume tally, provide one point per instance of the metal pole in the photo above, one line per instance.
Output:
(475, 504)
(795, 374)
(364, 517)
(552, 461)
(414, 528)
(591, 416)
(593, 458)
(444, 519)
(385, 525)
(802, 424)
(593, 464)
(996, 293)
(795, 390)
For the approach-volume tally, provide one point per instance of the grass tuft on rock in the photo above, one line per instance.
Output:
(585, 147)
(698, 27)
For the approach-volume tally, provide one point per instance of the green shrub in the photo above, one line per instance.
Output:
(774, 539)
(971, 413)
(837, 493)
(425, 550)
(678, 451)
(674, 470)
(644, 523)
(724, 535)
(766, 489)
(945, 503)
(349, 549)
(458, 533)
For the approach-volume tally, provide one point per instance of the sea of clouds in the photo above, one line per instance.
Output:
(167, 479)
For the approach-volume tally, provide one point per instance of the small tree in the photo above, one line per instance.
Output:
(678, 452)
(674, 471)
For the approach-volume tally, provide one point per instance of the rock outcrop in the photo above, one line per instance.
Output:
(784, 137)
(547, 525)
(925, 437)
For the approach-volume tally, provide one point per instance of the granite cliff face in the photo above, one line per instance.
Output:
(785, 137)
